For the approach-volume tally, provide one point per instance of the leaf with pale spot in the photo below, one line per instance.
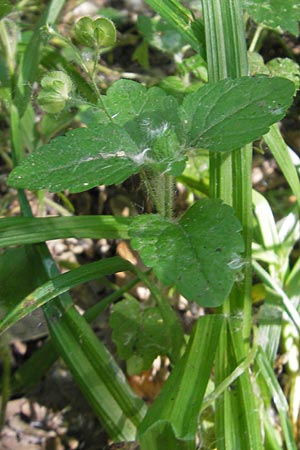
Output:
(197, 254)
(282, 14)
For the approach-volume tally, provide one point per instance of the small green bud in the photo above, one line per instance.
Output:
(56, 88)
(84, 31)
(100, 32)
(105, 32)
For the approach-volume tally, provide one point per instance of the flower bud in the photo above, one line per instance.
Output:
(100, 32)
(105, 32)
(84, 31)
(56, 87)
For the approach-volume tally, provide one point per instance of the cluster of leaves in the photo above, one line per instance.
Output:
(147, 129)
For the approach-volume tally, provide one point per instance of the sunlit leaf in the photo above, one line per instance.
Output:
(231, 113)
(275, 13)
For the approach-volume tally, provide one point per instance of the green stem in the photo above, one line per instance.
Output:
(237, 421)
(5, 356)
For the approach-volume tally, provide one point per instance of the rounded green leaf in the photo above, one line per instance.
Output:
(199, 254)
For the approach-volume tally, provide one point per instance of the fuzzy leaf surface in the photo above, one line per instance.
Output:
(145, 132)
(198, 254)
(275, 13)
(127, 100)
(140, 334)
(231, 113)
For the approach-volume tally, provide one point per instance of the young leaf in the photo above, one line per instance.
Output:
(127, 100)
(231, 113)
(275, 13)
(197, 254)
(140, 334)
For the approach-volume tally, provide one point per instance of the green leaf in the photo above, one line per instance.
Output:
(5, 8)
(82, 159)
(160, 34)
(198, 254)
(14, 264)
(57, 286)
(231, 113)
(127, 100)
(140, 334)
(285, 67)
(171, 421)
(95, 371)
(266, 372)
(146, 133)
(30, 61)
(275, 13)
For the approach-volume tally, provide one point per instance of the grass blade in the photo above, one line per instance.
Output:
(34, 368)
(278, 147)
(182, 20)
(60, 284)
(96, 373)
(266, 372)
(27, 230)
(236, 420)
(171, 421)
(286, 303)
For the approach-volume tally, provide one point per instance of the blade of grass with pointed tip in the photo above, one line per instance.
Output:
(171, 421)
(278, 147)
(29, 230)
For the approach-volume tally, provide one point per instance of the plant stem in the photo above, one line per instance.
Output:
(5, 356)
(237, 421)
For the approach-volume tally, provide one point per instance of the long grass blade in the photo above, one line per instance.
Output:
(286, 303)
(34, 368)
(26, 230)
(60, 284)
(95, 372)
(171, 421)
(278, 147)
(266, 371)
(182, 20)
